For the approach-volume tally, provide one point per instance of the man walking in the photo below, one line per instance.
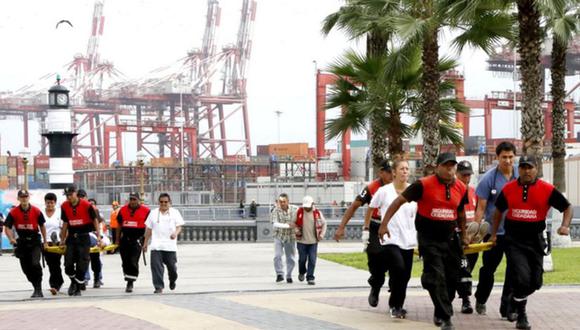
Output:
(310, 229)
(131, 220)
(27, 220)
(163, 227)
(283, 218)
(53, 227)
(526, 203)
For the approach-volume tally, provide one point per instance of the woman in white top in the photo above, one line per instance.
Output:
(163, 227)
(53, 226)
(398, 248)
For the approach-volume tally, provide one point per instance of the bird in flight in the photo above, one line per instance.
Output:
(64, 21)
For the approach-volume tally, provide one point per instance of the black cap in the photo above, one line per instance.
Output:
(446, 157)
(528, 160)
(70, 189)
(385, 166)
(134, 195)
(23, 193)
(81, 193)
(464, 167)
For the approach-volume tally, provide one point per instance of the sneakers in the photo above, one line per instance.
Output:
(311, 282)
(522, 322)
(97, 284)
(172, 285)
(466, 306)
(480, 308)
(289, 280)
(301, 277)
(398, 313)
(72, 288)
(447, 325)
(279, 278)
(374, 297)
(129, 287)
(158, 291)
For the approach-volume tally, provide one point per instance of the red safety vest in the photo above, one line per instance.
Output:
(528, 203)
(300, 222)
(26, 220)
(373, 187)
(434, 204)
(470, 207)
(134, 218)
(78, 216)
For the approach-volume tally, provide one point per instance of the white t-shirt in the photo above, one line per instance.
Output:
(402, 224)
(162, 225)
(53, 224)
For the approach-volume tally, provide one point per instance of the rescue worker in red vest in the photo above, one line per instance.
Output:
(79, 219)
(526, 202)
(131, 219)
(28, 220)
(310, 229)
(372, 246)
(440, 210)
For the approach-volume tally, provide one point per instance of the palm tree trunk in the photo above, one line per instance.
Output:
(430, 94)
(376, 43)
(378, 141)
(395, 135)
(558, 113)
(529, 47)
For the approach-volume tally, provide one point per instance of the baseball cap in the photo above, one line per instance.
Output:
(307, 201)
(23, 193)
(528, 160)
(134, 195)
(385, 166)
(70, 189)
(446, 157)
(81, 193)
(464, 167)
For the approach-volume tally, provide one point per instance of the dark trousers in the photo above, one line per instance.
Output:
(491, 259)
(400, 263)
(29, 252)
(76, 258)
(307, 253)
(440, 272)
(525, 257)
(55, 279)
(376, 258)
(96, 266)
(158, 259)
(130, 254)
(465, 284)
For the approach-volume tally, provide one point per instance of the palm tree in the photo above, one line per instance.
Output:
(563, 23)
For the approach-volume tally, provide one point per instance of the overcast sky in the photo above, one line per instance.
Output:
(141, 35)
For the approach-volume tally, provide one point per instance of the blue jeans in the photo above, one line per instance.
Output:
(307, 253)
(286, 248)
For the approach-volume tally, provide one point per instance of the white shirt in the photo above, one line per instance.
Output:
(53, 224)
(402, 224)
(162, 225)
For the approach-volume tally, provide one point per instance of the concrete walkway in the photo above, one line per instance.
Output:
(227, 286)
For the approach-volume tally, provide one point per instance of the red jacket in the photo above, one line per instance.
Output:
(318, 223)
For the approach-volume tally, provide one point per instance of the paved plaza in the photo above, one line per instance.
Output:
(226, 286)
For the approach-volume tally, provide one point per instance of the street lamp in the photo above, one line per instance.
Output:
(141, 156)
(25, 155)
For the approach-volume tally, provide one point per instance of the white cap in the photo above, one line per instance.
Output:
(307, 201)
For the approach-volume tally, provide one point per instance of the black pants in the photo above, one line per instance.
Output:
(525, 257)
(440, 272)
(96, 265)
(130, 250)
(376, 258)
(465, 284)
(28, 251)
(53, 261)
(400, 263)
(491, 259)
(76, 258)
(158, 259)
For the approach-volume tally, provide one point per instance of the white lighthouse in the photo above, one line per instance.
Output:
(59, 132)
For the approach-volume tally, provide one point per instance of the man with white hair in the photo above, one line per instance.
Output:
(310, 229)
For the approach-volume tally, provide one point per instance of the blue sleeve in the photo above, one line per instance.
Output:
(483, 189)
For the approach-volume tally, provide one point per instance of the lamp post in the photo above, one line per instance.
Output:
(141, 155)
(25, 155)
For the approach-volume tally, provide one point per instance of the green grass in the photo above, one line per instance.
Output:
(566, 265)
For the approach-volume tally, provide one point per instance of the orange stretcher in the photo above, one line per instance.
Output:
(472, 248)
(94, 249)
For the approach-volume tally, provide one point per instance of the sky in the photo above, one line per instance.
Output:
(141, 35)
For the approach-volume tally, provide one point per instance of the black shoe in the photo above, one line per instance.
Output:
(77, 292)
(83, 286)
(37, 293)
(447, 325)
(374, 297)
(398, 313)
(437, 321)
(301, 277)
(72, 288)
(97, 284)
(466, 306)
(172, 285)
(522, 322)
(311, 282)
(279, 278)
(129, 287)
(158, 291)
(480, 308)
(289, 280)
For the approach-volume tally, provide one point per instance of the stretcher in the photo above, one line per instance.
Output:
(94, 249)
(472, 248)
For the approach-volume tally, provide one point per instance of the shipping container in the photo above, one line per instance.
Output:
(3, 160)
(262, 150)
(41, 161)
(12, 161)
(3, 170)
(12, 172)
(4, 185)
(288, 149)
(20, 169)
(30, 170)
(164, 161)
(13, 182)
